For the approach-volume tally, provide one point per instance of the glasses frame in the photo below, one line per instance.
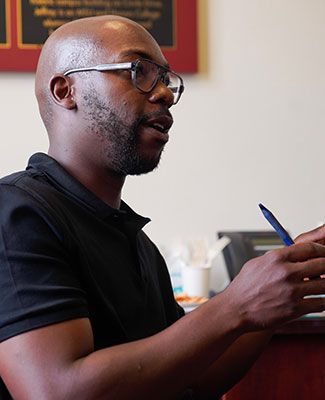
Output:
(131, 66)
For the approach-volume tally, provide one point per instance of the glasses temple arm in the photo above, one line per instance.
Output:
(100, 67)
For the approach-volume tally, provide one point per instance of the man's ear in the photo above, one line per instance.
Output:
(61, 90)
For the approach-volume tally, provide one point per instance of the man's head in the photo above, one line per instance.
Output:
(103, 118)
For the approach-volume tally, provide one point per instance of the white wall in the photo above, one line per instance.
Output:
(250, 129)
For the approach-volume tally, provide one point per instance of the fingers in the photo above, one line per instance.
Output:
(312, 288)
(311, 269)
(315, 235)
(312, 305)
(303, 251)
(279, 282)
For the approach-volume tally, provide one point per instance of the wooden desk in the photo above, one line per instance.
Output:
(291, 368)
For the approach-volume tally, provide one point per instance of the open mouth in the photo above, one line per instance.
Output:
(161, 123)
(159, 127)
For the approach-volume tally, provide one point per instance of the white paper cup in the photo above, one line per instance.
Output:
(196, 280)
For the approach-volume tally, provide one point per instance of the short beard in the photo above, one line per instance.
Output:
(120, 141)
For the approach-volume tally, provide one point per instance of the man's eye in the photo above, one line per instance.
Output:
(140, 70)
(165, 79)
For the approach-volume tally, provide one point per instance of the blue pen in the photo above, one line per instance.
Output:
(283, 234)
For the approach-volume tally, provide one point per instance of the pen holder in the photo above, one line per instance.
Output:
(196, 280)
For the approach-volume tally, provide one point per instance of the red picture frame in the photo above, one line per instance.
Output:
(183, 56)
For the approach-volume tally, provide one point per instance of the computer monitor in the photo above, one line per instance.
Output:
(245, 246)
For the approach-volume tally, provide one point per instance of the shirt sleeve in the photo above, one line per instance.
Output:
(180, 311)
(39, 284)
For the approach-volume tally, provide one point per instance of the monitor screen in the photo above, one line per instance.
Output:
(244, 246)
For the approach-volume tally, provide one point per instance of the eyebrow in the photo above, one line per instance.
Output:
(142, 54)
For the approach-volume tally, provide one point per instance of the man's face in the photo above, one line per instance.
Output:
(119, 119)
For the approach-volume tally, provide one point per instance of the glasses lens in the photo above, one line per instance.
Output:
(146, 75)
(174, 83)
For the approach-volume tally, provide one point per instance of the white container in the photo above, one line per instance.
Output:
(196, 280)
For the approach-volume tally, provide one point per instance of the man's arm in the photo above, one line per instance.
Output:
(58, 361)
(231, 366)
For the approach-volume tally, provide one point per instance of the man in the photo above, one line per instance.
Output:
(87, 311)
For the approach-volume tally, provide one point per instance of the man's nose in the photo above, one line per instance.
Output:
(161, 94)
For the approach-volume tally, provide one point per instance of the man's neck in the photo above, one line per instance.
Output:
(104, 184)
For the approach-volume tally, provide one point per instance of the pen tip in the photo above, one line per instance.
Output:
(261, 206)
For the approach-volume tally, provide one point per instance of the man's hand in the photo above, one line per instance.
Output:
(271, 289)
(316, 235)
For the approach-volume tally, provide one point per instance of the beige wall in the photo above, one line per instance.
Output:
(249, 128)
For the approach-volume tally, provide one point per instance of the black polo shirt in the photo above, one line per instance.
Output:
(66, 254)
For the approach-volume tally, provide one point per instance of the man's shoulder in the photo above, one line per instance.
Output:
(12, 178)
(27, 195)
(24, 187)
(23, 180)
(10, 185)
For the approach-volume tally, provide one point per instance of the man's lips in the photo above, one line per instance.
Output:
(157, 124)
(159, 120)
(162, 123)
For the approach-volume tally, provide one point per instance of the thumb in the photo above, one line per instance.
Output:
(316, 235)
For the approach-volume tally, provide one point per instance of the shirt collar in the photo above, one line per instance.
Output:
(67, 184)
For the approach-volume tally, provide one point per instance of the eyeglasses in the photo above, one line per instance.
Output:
(145, 75)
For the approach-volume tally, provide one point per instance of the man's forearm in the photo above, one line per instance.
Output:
(58, 361)
(231, 366)
(159, 367)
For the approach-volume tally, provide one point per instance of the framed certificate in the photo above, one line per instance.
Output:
(26, 24)
(5, 31)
